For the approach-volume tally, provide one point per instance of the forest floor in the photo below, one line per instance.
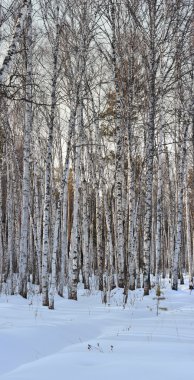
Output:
(89, 340)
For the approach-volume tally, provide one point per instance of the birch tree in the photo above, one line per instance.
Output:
(119, 149)
(8, 61)
(152, 10)
(178, 237)
(26, 159)
(48, 170)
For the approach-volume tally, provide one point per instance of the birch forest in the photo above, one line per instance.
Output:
(96, 145)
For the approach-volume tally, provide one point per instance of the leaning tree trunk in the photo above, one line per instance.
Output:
(6, 66)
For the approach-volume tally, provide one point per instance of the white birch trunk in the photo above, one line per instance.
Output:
(192, 103)
(54, 256)
(48, 171)
(159, 210)
(26, 161)
(85, 237)
(136, 245)
(171, 217)
(73, 255)
(132, 227)
(98, 181)
(1, 224)
(160, 174)
(99, 238)
(189, 241)
(17, 203)
(64, 238)
(150, 151)
(1, 154)
(160, 158)
(10, 225)
(9, 58)
(110, 249)
(119, 157)
(37, 224)
(64, 200)
(178, 239)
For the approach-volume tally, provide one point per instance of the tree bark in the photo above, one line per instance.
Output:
(26, 160)
(48, 171)
(150, 148)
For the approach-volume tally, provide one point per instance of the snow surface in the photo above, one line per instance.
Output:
(41, 344)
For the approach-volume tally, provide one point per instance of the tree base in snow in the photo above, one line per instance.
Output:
(51, 306)
(132, 286)
(121, 283)
(146, 288)
(45, 300)
(72, 295)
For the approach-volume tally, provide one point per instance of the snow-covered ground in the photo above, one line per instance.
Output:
(88, 340)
